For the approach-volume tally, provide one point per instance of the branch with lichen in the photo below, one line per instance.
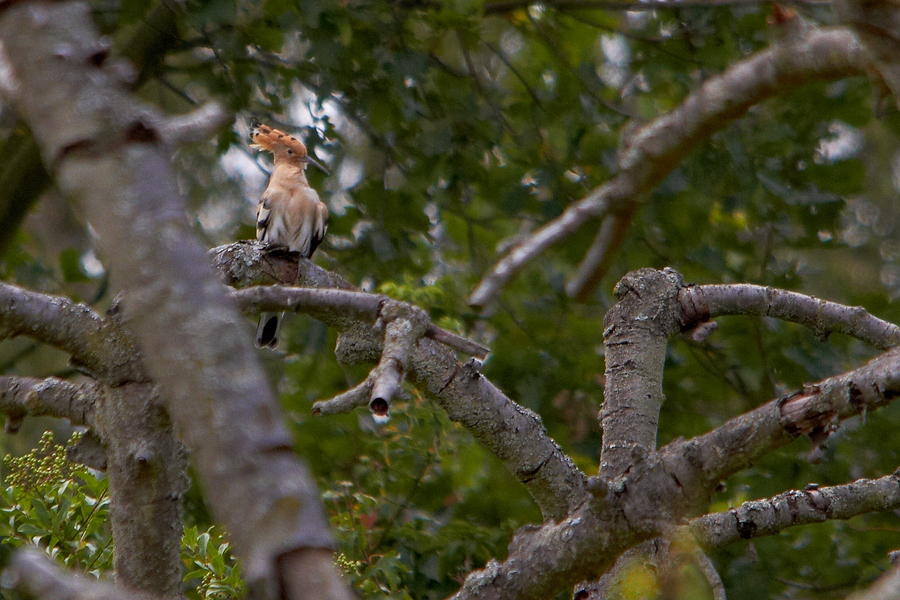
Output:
(403, 325)
(664, 487)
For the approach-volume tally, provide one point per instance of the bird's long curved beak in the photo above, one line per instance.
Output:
(310, 159)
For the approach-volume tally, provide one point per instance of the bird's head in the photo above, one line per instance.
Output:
(286, 148)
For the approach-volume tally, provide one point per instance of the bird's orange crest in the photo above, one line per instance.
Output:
(267, 138)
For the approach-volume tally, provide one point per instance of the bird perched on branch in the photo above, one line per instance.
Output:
(290, 214)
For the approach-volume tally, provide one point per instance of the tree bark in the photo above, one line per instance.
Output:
(107, 154)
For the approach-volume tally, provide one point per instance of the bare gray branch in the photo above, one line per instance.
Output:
(658, 147)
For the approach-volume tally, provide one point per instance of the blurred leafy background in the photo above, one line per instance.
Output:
(454, 128)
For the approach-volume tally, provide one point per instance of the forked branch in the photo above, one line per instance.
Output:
(350, 303)
(657, 148)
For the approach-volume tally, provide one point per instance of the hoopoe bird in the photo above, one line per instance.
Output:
(289, 214)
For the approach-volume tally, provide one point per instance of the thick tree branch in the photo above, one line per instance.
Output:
(314, 302)
(662, 488)
(405, 325)
(23, 177)
(50, 397)
(359, 305)
(702, 462)
(513, 433)
(107, 155)
(144, 461)
(146, 467)
(703, 302)
(635, 335)
(658, 147)
(101, 347)
(815, 504)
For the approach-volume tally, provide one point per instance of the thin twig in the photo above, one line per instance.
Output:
(457, 342)
(712, 575)
(599, 257)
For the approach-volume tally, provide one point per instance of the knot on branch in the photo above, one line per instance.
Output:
(597, 487)
(693, 312)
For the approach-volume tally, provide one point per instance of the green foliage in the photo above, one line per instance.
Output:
(63, 508)
(60, 507)
(408, 506)
(212, 571)
(415, 503)
(452, 129)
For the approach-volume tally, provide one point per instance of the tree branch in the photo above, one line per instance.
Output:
(703, 461)
(636, 334)
(315, 302)
(599, 257)
(405, 326)
(23, 177)
(711, 574)
(658, 147)
(662, 488)
(193, 127)
(98, 346)
(771, 516)
(702, 302)
(358, 305)
(358, 396)
(52, 397)
(513, 433)
(108, 157)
